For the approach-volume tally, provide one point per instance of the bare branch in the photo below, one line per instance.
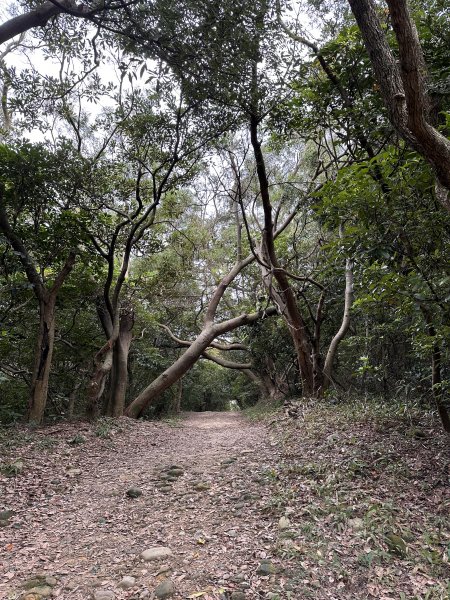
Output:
(226, 363)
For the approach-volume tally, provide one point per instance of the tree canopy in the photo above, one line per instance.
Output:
(248, 193)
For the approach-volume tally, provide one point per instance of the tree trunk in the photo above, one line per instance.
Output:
(119, 373)
(178, 396)
(332, 349)
(43, 361)
(173, 373)
(182, 365)
(402, 83)
(103, 362)
(72, 399)
(436, 383)
(268, 391)
(436, 376)
(284, 296)
(47, 299)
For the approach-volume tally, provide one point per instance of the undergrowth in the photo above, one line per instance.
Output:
(365, 485)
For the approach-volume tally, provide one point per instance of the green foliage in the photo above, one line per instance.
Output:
(105, 427)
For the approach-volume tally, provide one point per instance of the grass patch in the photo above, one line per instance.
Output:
(262, 411)
(173, 420)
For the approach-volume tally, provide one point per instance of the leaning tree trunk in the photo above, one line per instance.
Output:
(345, 324)
(182, 365)
(173, 373)
(43, 361)
(284, 296)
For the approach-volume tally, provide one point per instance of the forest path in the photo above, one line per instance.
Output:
(74, 523)
(333, 505)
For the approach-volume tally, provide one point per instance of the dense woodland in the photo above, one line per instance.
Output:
(204, 202)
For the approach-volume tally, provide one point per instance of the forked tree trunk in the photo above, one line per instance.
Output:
(43, 361)
(111, 360)
(47, 300)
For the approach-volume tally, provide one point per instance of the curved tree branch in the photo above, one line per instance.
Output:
(402, 88)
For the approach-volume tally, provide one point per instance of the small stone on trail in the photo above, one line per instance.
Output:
(104, 595)
(156, 553)
(134, 492)
(74, 472)
(164, 569)
(237, 596)
(127, 582)
(6, 514)
(284, 523)
(70, 585)
(165, 589)
(201, 486)
(51, 581)
(38, 592)
(175, 472)
(266, 568)
(34, 582)
(16, 467)
(356, 523)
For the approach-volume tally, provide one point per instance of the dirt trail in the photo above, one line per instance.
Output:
(331, 506)
(74, 522)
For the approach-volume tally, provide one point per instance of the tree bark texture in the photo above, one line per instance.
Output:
(119, 372)
(402, 85)
(42, 361)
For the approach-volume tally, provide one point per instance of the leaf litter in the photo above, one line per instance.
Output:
(280, 509)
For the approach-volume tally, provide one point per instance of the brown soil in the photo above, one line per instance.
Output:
(342, 482)
(74, 521)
